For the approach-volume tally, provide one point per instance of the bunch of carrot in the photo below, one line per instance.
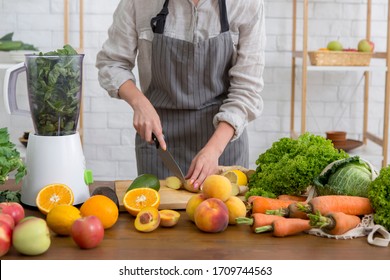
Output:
(335, 214)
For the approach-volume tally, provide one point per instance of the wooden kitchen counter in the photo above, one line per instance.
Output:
(186, 242)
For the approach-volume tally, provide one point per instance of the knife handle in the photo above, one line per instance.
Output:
(155, 141)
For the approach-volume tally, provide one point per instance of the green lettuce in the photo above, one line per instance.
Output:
(379, 195)
(291, 165)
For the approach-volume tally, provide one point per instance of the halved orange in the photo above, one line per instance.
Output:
(52, 195)
(136, 199)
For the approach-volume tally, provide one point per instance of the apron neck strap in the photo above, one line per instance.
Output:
(223, 16)
(158, 22)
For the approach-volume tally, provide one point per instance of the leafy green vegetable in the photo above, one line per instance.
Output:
(350, 176)
(379, 195)
(7, 44)
(10, 196)
(9, 158)
(55, 91)
(291, 165)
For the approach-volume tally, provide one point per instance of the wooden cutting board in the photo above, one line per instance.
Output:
(169, 198)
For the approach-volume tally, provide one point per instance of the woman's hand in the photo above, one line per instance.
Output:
(145, 120)
(205, 162)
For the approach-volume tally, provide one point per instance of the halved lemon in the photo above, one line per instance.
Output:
(136, 199)
(52, 195)
(237, 177)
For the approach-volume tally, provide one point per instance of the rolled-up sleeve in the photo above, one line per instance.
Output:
(244, 102)
(116, 60)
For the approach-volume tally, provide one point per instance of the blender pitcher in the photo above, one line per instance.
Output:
(54, 152)
(54, 92)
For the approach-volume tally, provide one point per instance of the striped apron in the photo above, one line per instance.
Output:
(189, 83)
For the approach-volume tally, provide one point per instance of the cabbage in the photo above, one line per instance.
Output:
(350, 176)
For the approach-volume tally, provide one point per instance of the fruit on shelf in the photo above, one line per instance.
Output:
(211, 215)
(350, 50)
(31, 236)
(334, 46)
(87, 232)
(365, 45)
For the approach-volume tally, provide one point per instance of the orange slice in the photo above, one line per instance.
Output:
(53, 195)
(136, 199)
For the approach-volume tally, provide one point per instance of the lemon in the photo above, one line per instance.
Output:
(237, 177)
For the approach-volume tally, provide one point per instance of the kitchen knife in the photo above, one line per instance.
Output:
(169, 161)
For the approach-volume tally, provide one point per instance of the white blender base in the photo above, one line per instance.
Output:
(54, 159)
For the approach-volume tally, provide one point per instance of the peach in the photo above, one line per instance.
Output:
(236, 208)
(217, 186)
(169, 218)
(148, 219)
(193, 203)
(211, 215)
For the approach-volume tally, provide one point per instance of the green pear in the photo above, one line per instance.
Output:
(334, 46)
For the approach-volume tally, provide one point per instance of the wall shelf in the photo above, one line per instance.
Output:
(300, 61)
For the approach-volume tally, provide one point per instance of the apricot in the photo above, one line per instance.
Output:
(193, 203)
(169, 218)
(217, 186)
(211, 215)
(236, 208)
(147, 220)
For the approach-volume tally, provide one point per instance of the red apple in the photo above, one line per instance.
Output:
(5, 238)
(14, 209)
(8, 220)
(87, 232)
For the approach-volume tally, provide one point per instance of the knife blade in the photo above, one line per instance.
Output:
(169, 161)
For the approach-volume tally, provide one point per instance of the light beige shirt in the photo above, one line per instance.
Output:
(129, 44)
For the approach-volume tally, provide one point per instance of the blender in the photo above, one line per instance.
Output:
(54, 152)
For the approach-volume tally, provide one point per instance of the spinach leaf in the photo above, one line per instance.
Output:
(55, 91)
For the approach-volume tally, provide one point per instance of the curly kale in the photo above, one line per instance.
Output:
(379, 195)
(291, 165)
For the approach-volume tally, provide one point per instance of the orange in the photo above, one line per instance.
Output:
(52, 195)
(136, 199)
(60, 219)
(102, 207)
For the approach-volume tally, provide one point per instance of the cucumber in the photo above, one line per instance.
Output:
(145, 181)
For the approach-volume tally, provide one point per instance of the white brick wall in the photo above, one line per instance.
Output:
(334, 98)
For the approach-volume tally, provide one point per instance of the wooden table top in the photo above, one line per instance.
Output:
(186, 242)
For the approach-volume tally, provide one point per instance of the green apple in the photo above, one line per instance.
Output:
(334, 46)
(31, 236)
(365, 46)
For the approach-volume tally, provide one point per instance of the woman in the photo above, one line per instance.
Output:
(200, 65)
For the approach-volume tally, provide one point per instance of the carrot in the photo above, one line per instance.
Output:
(257, 220)
(334, 223)
(290, 211)
(292, 197)
(261, 204)
(286, 227)
(352, 205)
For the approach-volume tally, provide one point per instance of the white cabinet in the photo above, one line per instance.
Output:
(300, 60)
